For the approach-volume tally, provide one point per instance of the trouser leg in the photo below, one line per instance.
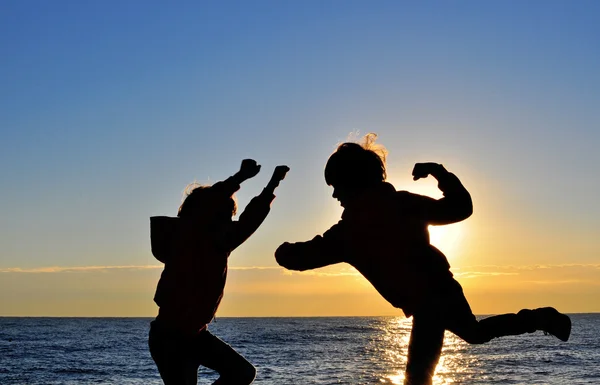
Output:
(170, 353)
(459, 319)
(215, 354)
(546, 319)
(424, 349)
(479, 332)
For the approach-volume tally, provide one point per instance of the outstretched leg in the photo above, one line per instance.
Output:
(462, 322)
(424, 349)
(215, 354)
(451, 311)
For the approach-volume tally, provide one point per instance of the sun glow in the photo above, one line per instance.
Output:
(452, 366)
(447, 238)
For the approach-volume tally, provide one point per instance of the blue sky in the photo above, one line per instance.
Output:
(108, 109)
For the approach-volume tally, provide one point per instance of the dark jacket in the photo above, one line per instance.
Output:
(383, 234)
(195, 255)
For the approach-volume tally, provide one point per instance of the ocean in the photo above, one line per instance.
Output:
(294, 351)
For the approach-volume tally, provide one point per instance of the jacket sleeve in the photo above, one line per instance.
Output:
(322, 250)
(226, 188)
(455, 206)
(253, 216)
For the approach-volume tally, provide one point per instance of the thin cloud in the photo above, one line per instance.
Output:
(479, 271)
(561, 282)
(532, 267)
(316, 273)
(477, 274)
(464, 272)
(254, 268)
(68, 269)
(73, 269)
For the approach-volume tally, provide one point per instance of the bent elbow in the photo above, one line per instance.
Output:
(463, 214)
(460, 213)
(468, 211)
(465, 209)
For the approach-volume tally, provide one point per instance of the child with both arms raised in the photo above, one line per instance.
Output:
(383, 234)
(195, 247)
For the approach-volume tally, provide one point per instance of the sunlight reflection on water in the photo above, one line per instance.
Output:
(397, 335)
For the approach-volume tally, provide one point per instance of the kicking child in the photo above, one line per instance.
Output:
(383, 234)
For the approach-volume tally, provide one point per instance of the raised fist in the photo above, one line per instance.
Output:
(249, 168)
(279, 173)
(422, 170)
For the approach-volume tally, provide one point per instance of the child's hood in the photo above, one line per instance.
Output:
(163, 231)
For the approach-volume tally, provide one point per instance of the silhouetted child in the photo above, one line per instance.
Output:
(383, 233)
(195, 247)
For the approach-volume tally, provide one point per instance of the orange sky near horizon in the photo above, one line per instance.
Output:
(499, 273)
(272, 291)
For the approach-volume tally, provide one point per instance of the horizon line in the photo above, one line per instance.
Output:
(267, 316)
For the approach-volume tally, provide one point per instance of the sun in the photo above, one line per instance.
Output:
(447, 238)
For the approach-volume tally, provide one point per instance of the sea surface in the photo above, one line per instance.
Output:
(337, 350)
